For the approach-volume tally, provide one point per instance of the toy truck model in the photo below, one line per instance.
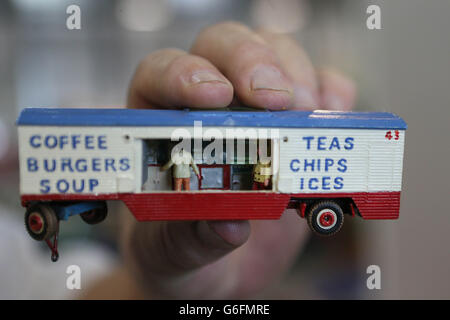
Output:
(323, 163)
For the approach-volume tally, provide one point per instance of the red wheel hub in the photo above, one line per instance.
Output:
(327, 219)
(35, 222)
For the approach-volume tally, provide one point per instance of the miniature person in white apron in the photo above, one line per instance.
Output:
(181, 161)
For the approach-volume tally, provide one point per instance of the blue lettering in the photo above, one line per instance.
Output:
(63, 140)
(302, 180)
(88, 142)
(338, 183)
(326, 183)
(349, 143)
(308, 164)
(308, 142)
(62, 186)
(342, 163)
(92, 184)
(335, 144)
(81, 165)
(47, 167)
(76, 140)
(321, 143)
(45, 186)
(310, 184)
(81, 188)
(109, 163)
(73, 141)
(124, 164)
(51, 141)
(35, 144)
(66, 163)
(96, 164)
(328, 163)
(292, 165)
(32, 165)
(102, 142)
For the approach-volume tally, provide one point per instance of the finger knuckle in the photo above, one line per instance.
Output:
(162, 55)
(181, 64)
(251, 52)
(228, 30)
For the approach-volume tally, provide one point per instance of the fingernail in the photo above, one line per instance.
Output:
(333, 102)
(205, 77)
(305, 98)
(269, 78)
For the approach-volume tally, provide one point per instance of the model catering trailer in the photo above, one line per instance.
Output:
(323, 163)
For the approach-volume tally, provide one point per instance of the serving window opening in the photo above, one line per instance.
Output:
(232, 165)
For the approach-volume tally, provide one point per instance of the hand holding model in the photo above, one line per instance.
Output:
(224, 259)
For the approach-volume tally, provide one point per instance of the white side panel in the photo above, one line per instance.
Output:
(366, 162)
(340, 160)
(77, 160)
(386, 160)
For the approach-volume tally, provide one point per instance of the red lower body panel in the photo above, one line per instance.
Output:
(371, 205)
(228, 205)
(207, 206)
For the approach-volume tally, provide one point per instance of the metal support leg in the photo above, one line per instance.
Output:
(54, 246)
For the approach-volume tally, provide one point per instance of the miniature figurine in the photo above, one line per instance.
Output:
(262, 173)
(181, 161)
(324, 164)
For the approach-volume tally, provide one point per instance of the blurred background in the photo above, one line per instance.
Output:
(403, 68)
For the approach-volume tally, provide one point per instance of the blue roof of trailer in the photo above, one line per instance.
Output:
(139, 118)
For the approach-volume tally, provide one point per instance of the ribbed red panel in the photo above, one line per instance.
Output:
(371, 205)
(228, 205)
(378, 205)
(206, 206)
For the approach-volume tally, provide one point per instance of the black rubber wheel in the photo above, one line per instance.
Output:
(41, 222)
(325, 218)
(95, 216)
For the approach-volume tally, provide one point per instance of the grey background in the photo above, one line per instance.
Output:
(403, 68)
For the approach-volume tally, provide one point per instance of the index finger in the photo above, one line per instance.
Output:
(173, 78)
(248, 62)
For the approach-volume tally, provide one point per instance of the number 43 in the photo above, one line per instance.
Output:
(389, 135)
